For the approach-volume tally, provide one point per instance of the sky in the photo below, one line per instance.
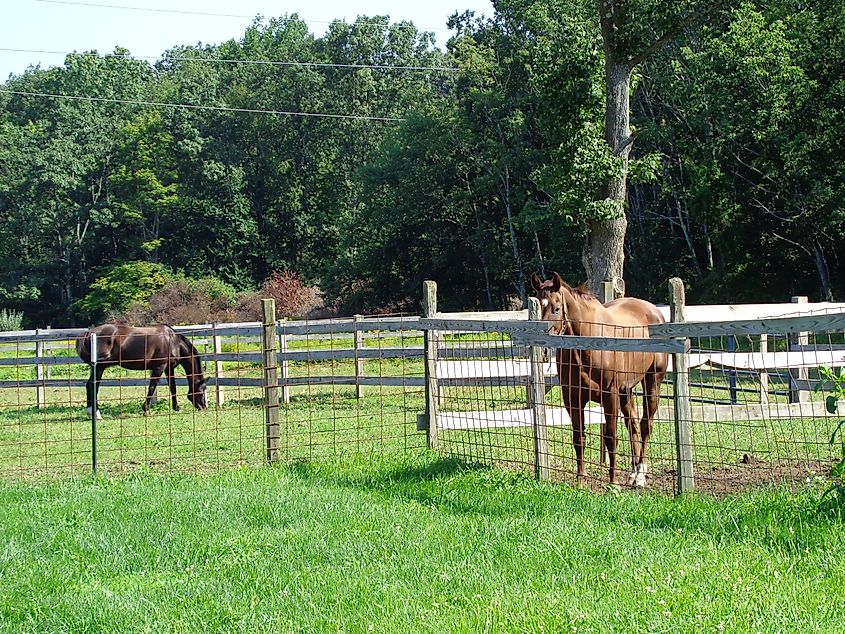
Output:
(44, 31)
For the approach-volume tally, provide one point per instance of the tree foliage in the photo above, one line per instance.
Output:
(730, 173)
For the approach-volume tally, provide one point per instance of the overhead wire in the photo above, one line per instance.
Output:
(187, 106)
(181, 58)
(219, 60)
(103, 5)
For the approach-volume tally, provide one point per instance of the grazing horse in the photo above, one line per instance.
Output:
(605, 377)
(156, 348)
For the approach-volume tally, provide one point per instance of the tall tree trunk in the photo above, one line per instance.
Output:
(823, 270)
(604, 254)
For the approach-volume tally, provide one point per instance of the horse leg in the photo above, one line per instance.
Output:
(155, 374)
(651, 401)
(171, 380)
(610, 403)
(92, 387)
(629, 411)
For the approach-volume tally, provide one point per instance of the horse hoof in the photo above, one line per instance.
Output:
(639, 481)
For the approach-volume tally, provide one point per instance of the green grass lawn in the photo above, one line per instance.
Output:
(409, 543)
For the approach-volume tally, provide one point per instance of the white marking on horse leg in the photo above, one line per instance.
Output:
(642, 469)
(99, 416)
(632, 477)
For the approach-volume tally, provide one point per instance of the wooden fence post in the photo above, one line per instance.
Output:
(680, 386)
(797, 395)
(430, 338)
(537, 400)
(271, 378)
(359, 361)
(217, 347)
(40, 370)
(283, 348)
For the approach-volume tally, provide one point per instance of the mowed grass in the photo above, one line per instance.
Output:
(409, 543)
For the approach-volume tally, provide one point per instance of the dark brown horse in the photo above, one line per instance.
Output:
(605, 377)
(158, 349)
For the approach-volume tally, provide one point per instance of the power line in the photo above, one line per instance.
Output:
(247, 61)
(209, 14)
(187, 106)
(119, 6)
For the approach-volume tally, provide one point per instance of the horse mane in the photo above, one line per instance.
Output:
(194, 354)
(583, 292)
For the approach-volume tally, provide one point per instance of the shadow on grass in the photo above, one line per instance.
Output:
(447, 484)
(776, 519)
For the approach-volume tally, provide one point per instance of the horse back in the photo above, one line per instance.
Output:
(597, 371)
(135, 348)
(632, 311)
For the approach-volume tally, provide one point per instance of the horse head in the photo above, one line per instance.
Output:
(197, 383)
(197, 393)
(553, 295)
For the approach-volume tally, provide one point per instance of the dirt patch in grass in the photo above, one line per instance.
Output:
(748, 474)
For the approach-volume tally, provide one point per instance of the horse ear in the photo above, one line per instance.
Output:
(557, 282)
(536, 282)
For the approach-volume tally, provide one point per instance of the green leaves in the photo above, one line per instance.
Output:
(121, 286)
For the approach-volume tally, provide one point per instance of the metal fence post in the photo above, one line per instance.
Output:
(537, 400)
(680, 386)
(40, 370)
(607, 293)
(270, 361)
(358, 340)
(217, 348)
(94, 405)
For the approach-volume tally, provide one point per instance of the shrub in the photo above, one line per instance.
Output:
(190, 301)
(215, 289)
(10, 320)
(293, 298)
(832, 401)
(123, 285)
(178, 302)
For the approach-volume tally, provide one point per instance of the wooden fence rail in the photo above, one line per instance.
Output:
(448, 361)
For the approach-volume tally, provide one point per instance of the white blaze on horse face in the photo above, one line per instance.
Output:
(544, 302)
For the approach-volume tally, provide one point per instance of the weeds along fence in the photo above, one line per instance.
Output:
(278, 391)
(737, 409)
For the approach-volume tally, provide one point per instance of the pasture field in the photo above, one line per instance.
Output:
(328, 421)
(410, 543)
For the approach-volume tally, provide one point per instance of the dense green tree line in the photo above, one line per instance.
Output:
(731, 168)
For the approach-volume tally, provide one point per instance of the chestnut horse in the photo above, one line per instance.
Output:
(605, 377)
(158, 349)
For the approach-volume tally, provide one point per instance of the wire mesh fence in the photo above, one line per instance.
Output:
(753, 417)
(345, 386)
(737, 406)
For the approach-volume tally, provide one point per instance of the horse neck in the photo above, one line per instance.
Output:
(190, 362)
(584, 315)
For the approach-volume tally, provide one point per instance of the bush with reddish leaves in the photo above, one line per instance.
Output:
(187, 301)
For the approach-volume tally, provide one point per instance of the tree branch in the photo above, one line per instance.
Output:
(671, 35)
